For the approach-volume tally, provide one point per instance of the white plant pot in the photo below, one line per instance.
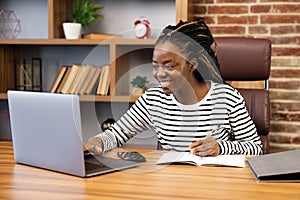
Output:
(72, 30)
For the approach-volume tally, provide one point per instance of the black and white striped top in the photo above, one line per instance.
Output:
(222, 112)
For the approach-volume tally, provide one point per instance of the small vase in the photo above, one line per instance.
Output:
(72, 30)
(136, 91)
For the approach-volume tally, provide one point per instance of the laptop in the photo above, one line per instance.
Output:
(47, 133)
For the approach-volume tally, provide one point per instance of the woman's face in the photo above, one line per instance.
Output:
(170, 68)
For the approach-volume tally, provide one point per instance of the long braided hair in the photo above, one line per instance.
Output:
(195, 41)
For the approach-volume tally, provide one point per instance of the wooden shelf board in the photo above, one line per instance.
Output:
(96, 98)
(3, 96)
(77, 42)
(135, 41)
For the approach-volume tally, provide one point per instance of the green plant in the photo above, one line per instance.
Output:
(85, 12)
(139, 81)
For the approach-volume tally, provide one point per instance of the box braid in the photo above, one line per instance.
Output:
(195, 40)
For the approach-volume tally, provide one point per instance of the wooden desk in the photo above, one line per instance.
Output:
(149, 181)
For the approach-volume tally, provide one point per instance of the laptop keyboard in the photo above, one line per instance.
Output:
(92, 165)
(98, 164)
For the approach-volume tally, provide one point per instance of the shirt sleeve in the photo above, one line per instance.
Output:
(244, 138)
(135, 120)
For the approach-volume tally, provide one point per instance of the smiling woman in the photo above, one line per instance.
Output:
(191, 109)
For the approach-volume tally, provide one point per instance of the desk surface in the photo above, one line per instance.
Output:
(148, 181)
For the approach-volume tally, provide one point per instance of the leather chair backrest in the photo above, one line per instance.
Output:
(244, 59)
(248, 59)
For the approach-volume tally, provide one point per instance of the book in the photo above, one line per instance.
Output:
(67, 87)
(276, 167)
(81, 77)
(101, 77)
(76, 82)
(189, 158)
(104, 81)
(93, 82)
(58, 79)
(88, 78)
(64, 79)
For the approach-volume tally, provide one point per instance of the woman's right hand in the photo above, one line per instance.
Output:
(93, 145)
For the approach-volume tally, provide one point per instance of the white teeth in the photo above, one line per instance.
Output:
(164, 83)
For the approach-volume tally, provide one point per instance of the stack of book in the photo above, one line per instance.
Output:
(82, 80)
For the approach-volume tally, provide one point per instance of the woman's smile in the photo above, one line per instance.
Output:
(165, 84)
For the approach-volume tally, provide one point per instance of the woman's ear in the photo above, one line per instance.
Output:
(193, 64)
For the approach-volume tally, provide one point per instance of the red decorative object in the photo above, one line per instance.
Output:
(142, 28)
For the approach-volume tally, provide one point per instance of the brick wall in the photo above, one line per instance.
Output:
(279, 21)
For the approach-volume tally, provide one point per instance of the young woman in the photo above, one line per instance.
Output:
(191, 109)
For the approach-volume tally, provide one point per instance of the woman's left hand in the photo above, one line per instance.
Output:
(205, 147)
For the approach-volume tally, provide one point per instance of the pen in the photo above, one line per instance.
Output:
(213, 131)
(209, 134)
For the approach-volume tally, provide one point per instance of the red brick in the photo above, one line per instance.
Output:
(200, 10)
(260, 8)
(284, 95)
(285, 127)
(203, 1)
(298, 40)
(291, 61)
(286, 8)
(279, 30)
(236, 1)
(284, 40)
(285, 51)
(258, 30)
(285, 106)
(296, 140)
(282, 27)
(227, 9)
(237, 20)
(281, 1)
(281, 138)
(275, 148)
(228, 30)
(291, 85)
(279, 19)
(209, 20)
(286, 73)
(285, 116)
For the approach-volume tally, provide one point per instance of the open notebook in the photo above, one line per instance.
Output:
(189, 158)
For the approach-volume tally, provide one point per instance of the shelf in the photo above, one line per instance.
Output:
(96, 98)
(123, 54)
(3, 96)
(77, 42)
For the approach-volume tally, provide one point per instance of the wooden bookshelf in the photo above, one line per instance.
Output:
(59, 11)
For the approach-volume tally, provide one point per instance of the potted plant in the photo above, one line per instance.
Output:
(139, 85)
(84, 12)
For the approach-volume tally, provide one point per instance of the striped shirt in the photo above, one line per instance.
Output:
(222, 112)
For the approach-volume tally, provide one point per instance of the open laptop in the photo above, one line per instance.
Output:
(47, 133)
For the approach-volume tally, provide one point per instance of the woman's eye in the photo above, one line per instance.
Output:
(167, 67)
(155, 67)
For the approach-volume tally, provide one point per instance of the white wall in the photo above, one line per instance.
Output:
(33, 17)
(119, 16)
